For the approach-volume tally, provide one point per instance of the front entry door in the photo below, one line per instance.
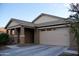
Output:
(29, 36)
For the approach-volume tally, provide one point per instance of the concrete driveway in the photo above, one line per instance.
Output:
(33, 50)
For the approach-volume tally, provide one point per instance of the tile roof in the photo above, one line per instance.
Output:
(31, 24)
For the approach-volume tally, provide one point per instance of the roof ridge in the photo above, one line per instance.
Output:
(52, 15)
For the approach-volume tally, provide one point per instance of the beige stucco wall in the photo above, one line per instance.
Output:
(73, 42)
(13, 23)
(45, 18)
(59, 36)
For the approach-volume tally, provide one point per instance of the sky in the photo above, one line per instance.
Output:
(29, 11)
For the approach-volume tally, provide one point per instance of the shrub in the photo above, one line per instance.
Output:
(4, 38)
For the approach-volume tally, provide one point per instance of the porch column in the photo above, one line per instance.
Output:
(36, 36)
(22, 35)
(7, 31)
(15, 35)
(10, 31)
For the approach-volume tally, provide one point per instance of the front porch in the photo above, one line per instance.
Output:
(21, 35)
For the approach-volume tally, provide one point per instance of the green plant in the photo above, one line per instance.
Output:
(4, 38)
(74, 22)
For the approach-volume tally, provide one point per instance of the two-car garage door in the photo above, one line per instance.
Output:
(60, 36)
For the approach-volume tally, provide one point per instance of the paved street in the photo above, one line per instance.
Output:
(33, 50)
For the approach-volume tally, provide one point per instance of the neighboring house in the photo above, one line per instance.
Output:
(2, 30)
(45, 29)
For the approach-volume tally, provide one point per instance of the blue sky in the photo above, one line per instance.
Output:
(29, 11)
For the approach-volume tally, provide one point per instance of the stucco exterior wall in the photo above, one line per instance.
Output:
(73, 42)
(45, 18)
(13, 23)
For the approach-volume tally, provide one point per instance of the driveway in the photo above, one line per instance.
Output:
(33, 50)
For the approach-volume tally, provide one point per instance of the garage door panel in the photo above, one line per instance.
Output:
(55, 37)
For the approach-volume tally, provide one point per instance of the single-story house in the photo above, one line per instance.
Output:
(45, 29)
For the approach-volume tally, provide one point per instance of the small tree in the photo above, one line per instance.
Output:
(4, 38)
(74, 22)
